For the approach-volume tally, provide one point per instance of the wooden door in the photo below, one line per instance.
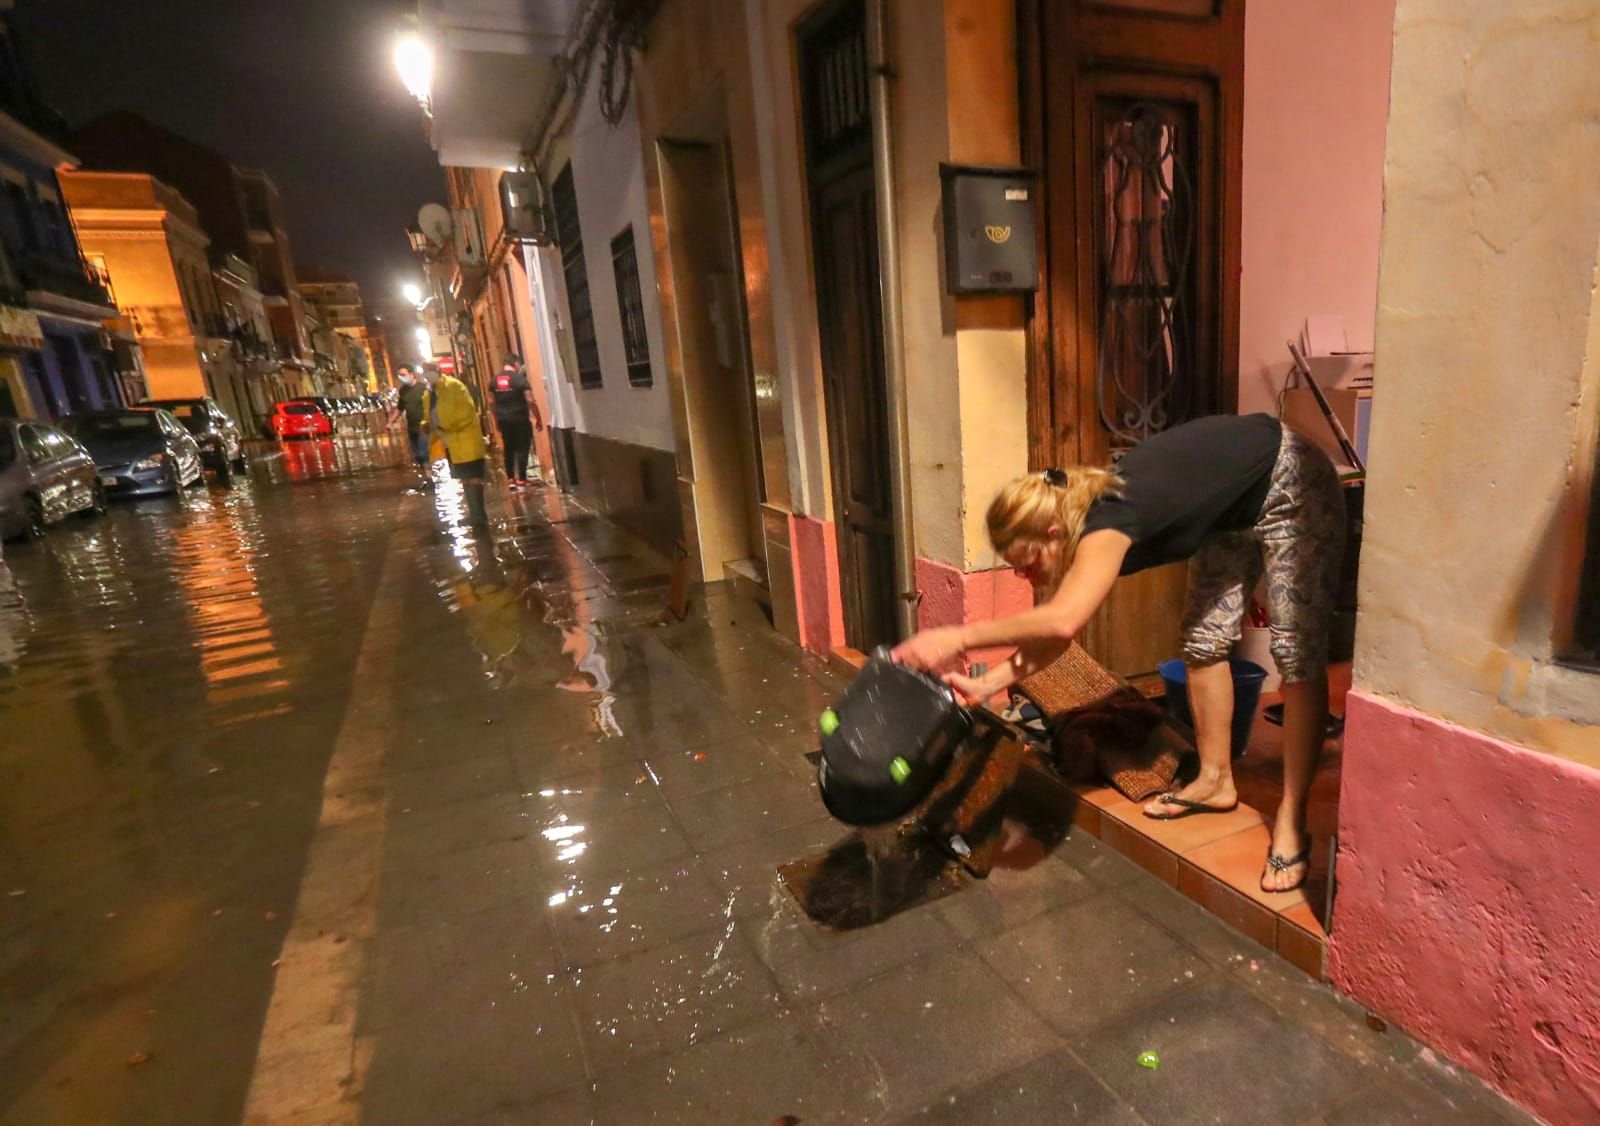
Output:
(845, 253)
(1135, 121)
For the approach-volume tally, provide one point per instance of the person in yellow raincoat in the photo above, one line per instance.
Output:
(452, 415)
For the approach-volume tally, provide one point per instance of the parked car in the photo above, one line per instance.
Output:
(139, 451)
(221, 443)
(301, 418)
(44, 477)
(362, 412)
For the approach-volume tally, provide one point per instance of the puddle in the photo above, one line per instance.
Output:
(854, 884)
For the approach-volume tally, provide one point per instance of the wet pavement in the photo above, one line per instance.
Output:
(316, 808)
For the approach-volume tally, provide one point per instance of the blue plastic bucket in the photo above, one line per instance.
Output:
(1247, 680)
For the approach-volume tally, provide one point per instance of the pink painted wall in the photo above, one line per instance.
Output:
(1468, 909)
(952, 597)
(1316, 105)
(818, 602)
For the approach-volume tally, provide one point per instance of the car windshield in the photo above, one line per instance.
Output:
(192, 415)
(298, 408)
(111, 425)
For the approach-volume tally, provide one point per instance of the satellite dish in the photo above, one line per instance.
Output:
(435, 222)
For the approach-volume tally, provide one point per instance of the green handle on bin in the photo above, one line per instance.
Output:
(829, 723)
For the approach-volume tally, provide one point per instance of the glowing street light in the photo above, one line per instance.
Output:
(412, 292)
(424, 341)
(413, 58)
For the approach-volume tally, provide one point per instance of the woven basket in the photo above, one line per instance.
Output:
(1102, 726)
(1073, 681)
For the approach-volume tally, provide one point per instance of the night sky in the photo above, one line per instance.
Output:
(304, 89)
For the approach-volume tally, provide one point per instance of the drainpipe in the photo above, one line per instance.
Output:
(894, 353)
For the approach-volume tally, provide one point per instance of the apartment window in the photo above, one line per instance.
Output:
(20, 215)
(569, 235)
(630, 303)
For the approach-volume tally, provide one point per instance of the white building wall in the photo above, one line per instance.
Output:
(608, 177)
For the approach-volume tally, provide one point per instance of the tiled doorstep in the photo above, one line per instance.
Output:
(1214, 859)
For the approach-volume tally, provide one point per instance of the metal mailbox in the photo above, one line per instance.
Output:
(988, 229)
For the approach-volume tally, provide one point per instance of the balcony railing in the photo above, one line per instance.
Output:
(68, 277)
(249, 343)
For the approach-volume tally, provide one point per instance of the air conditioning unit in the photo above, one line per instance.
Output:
(522, 206)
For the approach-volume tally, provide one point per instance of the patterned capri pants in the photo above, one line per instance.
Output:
(1299, 542)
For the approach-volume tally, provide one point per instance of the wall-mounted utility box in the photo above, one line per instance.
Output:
(988, 229)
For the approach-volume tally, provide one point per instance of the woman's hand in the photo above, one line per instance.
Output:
(970, 690)
(929, 650)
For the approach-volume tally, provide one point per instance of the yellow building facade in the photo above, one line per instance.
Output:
(149, 239)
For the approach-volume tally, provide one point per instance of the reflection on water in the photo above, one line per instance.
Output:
(14, 622)
(310, 459)
(531, 586)
(172, 677)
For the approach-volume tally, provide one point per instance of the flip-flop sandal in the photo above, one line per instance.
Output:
(1187, 807)
(1283, 864)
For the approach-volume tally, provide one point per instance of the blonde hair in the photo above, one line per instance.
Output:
(1026, 508)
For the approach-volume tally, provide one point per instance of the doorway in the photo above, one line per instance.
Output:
(844, 237)
(1137, 124)
(707, 303)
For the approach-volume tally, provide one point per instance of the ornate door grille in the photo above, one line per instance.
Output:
(1145, 377)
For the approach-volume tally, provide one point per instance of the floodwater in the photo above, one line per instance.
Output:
(169, 679)
(317, 807)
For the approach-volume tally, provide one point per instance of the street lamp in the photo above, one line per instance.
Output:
(413, 58)
(412, 293)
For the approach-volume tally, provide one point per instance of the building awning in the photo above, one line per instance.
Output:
(20, 328)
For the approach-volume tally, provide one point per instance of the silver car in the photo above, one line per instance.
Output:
(140, 451)
(45, 476)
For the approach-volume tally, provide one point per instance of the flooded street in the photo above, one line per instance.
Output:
(316, 808)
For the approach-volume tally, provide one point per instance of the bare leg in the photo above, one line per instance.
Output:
(1211, 699)
(1305, 710)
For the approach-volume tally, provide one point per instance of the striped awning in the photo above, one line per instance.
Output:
(20, 328)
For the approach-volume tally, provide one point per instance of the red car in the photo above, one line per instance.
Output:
(300, 418)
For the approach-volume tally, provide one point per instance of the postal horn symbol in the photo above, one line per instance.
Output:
(997, 235)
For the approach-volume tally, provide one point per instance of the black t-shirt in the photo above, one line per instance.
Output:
(1209, 475)
(413, 401)
(508, 389)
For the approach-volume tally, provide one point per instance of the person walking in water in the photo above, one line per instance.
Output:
(411, 405)
(452, 415)
(1236, 496)
(516, 416)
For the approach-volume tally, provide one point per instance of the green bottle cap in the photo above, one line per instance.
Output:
(900, 770)
(1149, 1060)
(829, 723)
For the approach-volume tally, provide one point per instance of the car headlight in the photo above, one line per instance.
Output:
(155, 462)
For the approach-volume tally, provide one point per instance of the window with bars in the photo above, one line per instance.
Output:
(569, 236)
(630, 303)
(838, 107)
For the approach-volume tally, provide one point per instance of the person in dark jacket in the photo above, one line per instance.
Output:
(412, 406)
(516, 416)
